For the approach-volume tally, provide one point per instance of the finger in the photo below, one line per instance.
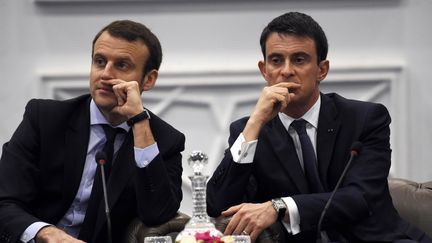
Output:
(253, 236)
(281, 101)
(247, 230)
(120, 93)
(255, 230)
(285, 102)
(272, 92)
(232, 210)
(120, 89)
(119, 96)
(241, 226)
(281, 90)
(243, 217)
(287, 90)
(291, 95)
(113, 82)
(287, 85)
(232, 225)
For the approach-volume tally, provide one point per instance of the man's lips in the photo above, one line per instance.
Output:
(293, 89)
(106, 89)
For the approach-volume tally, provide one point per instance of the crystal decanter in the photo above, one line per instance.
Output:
(199, 226)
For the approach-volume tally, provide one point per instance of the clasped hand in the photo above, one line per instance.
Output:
(272, 100)
(128, 96)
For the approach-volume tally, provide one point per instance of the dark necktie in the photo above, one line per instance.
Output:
(94, 203)
(110, 134)
(309, 158)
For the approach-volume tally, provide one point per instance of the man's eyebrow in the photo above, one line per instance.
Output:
(98, 55)
(301, 53)
(274, 54)
(124, 58)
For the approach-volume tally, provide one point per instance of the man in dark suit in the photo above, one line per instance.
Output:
(267, 174)
(48, 173)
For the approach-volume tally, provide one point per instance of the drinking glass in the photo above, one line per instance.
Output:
(157, 239)
(236, 239)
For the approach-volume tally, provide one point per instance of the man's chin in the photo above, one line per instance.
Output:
(105, 104)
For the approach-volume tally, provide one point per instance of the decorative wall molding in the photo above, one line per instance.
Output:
(147, 1)
(203, 103)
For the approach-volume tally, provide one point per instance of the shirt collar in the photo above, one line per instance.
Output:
(311, 116)
(97, 118)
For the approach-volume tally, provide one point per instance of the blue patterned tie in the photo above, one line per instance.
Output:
(309, 158)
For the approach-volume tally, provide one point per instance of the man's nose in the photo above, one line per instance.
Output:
(108, 71)
(287, 69)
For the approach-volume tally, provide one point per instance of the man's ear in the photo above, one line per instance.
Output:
(150, 80)
(324, 66)
(261, 66)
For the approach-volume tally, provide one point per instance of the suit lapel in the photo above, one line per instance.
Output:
(328, 128)
(282, 144)
(75, 150)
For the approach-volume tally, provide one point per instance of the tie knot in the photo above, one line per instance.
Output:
(299, 125)
(111, 132)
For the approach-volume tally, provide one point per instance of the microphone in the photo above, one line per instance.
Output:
(101, 160)
(355, 150)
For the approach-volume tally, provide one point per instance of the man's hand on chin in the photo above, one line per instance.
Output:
(129, 101)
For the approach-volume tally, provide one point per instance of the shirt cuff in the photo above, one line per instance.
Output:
(243, 152)
(143, 156)
(293, 226)
(29, 234)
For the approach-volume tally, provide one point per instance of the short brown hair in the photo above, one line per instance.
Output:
(133, 31)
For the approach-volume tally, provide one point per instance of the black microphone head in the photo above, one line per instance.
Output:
(100, 157)
(356, 147)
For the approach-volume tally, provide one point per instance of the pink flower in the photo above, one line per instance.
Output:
(206, 237)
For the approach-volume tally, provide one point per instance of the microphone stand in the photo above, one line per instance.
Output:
(101, 158)
(321, 235)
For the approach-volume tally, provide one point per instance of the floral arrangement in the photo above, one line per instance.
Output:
(205, 237)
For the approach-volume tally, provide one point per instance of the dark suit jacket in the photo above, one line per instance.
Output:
(362, 208)
(42, 164)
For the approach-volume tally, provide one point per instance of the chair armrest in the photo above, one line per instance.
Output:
(137, 231)
(413, 201)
